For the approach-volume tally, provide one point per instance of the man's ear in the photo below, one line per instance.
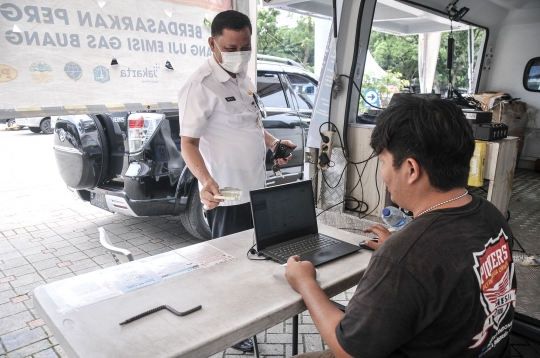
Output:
(211, 43)
(413, 170)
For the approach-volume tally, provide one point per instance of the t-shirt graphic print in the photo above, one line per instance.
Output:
(494, 269)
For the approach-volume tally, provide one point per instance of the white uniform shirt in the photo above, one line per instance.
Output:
(221, 111)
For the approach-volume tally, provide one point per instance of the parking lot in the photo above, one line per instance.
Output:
(47, 235)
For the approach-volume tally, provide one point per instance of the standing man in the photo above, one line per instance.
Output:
(444, 285)
(223, 141)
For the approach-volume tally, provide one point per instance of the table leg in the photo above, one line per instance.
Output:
(295, 335)
(255, 346)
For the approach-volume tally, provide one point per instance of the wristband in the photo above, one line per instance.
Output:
(274, 143)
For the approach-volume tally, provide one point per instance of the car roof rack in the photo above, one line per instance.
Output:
(285, 61)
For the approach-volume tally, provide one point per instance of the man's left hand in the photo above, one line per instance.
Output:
(299, 273)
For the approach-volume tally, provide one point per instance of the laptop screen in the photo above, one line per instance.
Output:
(283, 212)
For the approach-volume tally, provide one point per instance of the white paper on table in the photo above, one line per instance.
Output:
(81, 291)
(204, 254)
(130, 276)
(169, 264)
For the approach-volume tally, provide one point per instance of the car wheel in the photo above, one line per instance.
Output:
(194, 217)
(11, 122)
(45, 126)
(35, 129)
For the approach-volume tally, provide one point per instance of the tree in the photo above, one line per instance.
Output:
(398, 54)
(268, 37)
(295, 43)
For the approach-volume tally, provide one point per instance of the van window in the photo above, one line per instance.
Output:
(531, 77)
(398, 51)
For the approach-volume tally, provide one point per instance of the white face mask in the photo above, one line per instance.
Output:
(233, 62)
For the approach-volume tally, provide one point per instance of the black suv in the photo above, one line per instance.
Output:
(130, 162)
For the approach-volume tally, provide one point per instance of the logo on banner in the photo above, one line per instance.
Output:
(495, 270)
(73, 70)
(41, 71)
(101, 74)
(7, 73)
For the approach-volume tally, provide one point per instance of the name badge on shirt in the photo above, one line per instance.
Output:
(230, 99)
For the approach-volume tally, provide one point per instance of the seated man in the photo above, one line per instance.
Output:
(443, 286)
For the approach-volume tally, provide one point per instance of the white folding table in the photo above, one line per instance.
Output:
(239, 299)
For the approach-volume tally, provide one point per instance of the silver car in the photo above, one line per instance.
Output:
(37, 124)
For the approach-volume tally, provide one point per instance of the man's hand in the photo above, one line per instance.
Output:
(300, 273)
(378, 230)
(209, 189)
(288, 143)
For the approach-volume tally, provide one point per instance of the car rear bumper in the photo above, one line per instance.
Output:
(117, 201)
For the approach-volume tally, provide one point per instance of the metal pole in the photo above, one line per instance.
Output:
(295, 335)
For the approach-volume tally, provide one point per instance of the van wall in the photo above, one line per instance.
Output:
(517, 41)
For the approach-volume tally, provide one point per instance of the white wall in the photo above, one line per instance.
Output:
(518, 41)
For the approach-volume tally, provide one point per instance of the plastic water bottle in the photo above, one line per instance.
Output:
(395, 218)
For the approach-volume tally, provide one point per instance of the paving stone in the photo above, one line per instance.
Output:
(9, 233)
(13, 263)
(272, 349)
(26, 289)
(73, 257)
(61, 277)
(64, 264)
(279, 338)
(33, 251)
(48, 353)
(72, 235)
(36, 323)
(19, 299)
(45, 264)
(26, 280)
(69, 249)
(312, 342)
(11, 255)
(103, 259)
(88, 245)
(48, 251)
(6, 296)
(54, 272)
(39, 342)
(97, 251)
(83, 265)
(58, 245)
(22, 337)
(79, 240)
(129, 236)
(7, 279)
(37, 256)
(20, 271)
(5, 286)
(14, 322)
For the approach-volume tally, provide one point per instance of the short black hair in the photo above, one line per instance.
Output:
(231, 20)
(433, 132)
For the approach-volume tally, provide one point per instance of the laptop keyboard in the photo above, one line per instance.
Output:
(309, 244)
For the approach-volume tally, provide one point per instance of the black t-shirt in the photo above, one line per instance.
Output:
(443, 286)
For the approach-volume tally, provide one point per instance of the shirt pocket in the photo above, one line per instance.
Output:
(238, 115)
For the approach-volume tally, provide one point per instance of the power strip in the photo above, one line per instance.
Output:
(325, 150)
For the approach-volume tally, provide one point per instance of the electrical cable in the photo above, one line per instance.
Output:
(253, 252)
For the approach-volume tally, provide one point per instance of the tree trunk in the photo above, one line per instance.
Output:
(306, 55)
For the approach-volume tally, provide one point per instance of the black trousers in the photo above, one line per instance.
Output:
(228, 220)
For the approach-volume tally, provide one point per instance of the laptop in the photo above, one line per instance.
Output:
(286, 225)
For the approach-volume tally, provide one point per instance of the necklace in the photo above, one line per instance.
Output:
(444, 202)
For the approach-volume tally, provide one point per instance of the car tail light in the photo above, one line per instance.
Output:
(141, 128)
